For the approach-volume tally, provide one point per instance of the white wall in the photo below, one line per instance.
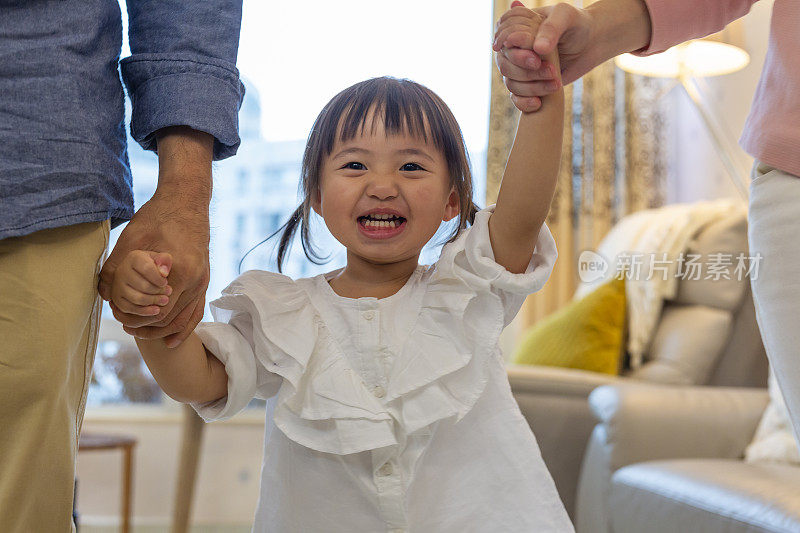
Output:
(696, 172)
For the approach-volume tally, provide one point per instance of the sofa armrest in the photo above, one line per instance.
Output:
(556, 380)
(643, 422)
(648, 422)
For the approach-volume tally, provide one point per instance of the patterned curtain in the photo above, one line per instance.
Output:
(613, 163)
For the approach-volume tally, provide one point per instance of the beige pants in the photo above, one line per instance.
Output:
(49, 317)
(774, 232)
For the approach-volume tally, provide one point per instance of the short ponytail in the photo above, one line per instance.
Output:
(288, 229)
(301, 217)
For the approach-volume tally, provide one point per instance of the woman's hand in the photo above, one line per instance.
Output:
(524, 35)
(583, 38)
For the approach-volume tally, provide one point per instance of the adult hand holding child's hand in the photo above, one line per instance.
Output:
(582, 38)
(174, 220)
(524, 35)
(162, 225)
(529, 71)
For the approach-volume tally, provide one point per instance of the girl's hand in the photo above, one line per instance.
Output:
(140, 283)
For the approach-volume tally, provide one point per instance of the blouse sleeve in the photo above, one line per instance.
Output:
(470, 259)
(232, 340)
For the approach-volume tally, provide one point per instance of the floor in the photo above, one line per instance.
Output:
(165, 529)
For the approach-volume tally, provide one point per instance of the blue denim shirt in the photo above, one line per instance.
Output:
(63, 157)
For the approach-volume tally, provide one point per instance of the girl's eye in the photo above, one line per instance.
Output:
(354, 165)
(411, 167)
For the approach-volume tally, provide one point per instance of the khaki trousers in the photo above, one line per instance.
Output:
(774, 233)
(49, 316)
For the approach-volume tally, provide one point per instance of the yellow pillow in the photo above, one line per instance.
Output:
(586, 334)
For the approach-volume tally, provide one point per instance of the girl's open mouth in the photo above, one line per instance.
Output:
(381, 226)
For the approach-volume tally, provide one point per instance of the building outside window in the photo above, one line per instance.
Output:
(257, 190)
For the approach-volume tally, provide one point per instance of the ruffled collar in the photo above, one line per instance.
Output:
(439, 371)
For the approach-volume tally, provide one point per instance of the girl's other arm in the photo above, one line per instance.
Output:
(188, 373)
(529, 181)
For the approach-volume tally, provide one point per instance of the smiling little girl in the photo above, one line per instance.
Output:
(384, 379)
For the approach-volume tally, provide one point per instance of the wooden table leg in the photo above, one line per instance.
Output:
(127, 484)
(191, 440)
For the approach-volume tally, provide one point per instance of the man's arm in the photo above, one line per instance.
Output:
(174, 220)
(186, 93)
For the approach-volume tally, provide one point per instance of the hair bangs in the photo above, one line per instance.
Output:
(402, 106)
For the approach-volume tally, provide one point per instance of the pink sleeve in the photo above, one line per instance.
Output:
(676, 21)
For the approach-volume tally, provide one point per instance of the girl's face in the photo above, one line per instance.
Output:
(383, 197)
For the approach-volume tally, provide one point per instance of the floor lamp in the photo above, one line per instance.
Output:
(688, 63)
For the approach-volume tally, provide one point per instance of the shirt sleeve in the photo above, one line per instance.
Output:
(676, 21)
(470, 258)
(182, 69)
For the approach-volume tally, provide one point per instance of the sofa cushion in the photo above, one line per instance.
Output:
(686, 346)
(723, 288)
(586, 334)
(705, 495)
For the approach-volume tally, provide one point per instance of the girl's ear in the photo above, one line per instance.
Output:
(453, 206)
(316, 202)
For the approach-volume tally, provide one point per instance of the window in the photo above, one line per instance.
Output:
(242, 181)
(291, 69)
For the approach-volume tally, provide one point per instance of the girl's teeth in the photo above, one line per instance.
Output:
(381, 223)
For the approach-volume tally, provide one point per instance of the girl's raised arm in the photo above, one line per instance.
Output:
(529, 181)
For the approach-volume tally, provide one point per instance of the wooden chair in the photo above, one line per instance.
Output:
(94, 442)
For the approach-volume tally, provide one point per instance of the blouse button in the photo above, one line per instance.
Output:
(369, 315)
(385, 470)
(379, 391)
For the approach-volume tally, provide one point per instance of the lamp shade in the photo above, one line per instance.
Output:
(715, 55)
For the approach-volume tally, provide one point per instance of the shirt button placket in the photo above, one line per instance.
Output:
(390, 496)
(370, 338)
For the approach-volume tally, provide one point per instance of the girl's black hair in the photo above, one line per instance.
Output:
(406, 107)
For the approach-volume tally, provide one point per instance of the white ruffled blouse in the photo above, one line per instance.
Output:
(393, 414)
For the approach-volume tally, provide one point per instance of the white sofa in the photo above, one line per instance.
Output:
(665, 459)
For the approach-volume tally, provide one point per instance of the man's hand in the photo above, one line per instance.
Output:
(175, 221)
(584, 39)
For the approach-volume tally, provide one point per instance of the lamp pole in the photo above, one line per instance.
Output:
(740, 180)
